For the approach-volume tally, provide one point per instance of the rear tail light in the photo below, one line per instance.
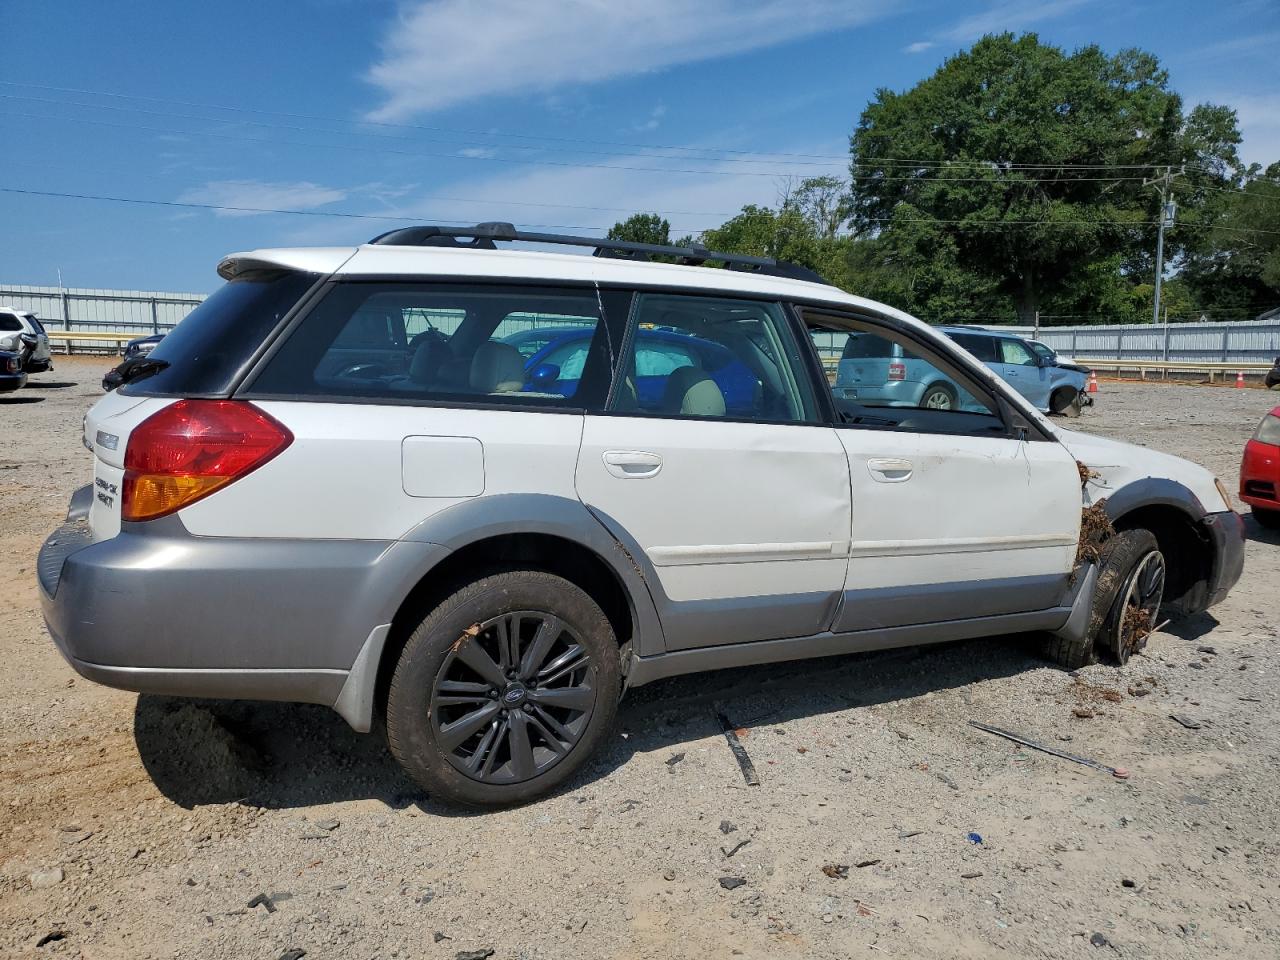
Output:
(191, 448)
(11, 365)
(897, 371)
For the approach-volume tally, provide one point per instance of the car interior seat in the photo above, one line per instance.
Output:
(689, 391)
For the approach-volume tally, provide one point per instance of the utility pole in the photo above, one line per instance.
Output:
(1168, 211)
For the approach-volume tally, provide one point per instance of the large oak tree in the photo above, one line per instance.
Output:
(1011, 179)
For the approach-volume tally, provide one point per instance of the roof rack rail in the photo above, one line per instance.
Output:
(483, 235)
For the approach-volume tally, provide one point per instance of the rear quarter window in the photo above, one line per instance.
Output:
(984, 348)
(358, 343)
(212, 347)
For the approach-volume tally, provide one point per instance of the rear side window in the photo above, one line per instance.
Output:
(9, 323)
(984, 348)
(36, 324)
(864, 346)
(208, 352)
(407, 342)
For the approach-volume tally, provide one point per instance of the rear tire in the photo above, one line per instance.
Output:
(1267, 518)
(939, 397)
(504, 690)
(1119, 621)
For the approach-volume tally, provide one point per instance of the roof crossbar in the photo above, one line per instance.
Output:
(483, 235)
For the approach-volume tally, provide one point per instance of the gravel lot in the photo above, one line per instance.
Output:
(143, 827)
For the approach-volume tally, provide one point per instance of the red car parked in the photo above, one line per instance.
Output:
(1260, 471)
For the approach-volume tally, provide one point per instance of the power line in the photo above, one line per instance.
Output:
(413, 126)
(577, 140)
(461, 146)
(365, 148)
(1139, 224)
(235, 209)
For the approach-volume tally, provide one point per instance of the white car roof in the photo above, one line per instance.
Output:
(521, 264)
(374, 260)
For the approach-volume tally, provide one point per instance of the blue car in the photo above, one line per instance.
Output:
(557, 367)
(877, 371)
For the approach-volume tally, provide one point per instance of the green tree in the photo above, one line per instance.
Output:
(642, 228)
(1235, 273)
(978, 182)
(806, 228)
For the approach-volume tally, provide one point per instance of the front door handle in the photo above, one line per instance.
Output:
(632, 464)
(889, 470)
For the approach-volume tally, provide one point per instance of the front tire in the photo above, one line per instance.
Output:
(504, 690)
(1126, 602)
(1065, 402)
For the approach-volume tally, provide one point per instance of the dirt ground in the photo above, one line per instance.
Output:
(136, 827)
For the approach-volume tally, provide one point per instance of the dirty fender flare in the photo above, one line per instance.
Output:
(519, 513)
(1154, 491)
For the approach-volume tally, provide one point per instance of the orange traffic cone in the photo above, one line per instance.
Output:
(1239, 378)
(1093, 382)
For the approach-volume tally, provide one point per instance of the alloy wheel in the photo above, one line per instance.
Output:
(1138, 605)
(513, 697)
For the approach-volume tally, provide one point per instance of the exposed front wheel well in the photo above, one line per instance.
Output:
(1187, 550)
(572, 561)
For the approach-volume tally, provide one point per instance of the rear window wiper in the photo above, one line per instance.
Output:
(143, 369)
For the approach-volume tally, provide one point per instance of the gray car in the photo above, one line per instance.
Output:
(874, 370)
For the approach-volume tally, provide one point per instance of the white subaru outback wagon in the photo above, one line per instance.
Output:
(341, 481)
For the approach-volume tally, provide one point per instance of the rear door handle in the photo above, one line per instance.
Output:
(889, 470)
(632, 464)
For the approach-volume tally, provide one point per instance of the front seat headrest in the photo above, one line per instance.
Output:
(689, 391)
(497, 368)
(428, 358)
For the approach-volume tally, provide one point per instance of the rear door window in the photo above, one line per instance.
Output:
(410, 342)
(689, 356)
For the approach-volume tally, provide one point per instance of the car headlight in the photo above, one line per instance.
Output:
(1269, 430)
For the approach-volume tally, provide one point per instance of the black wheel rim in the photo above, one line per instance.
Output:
(1139, 605)
(513, 697)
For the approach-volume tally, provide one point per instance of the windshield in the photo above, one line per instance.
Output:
(1042, 350)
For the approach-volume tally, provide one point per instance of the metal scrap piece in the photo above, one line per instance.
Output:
(739, 751)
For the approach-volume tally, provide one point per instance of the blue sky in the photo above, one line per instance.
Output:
(543, 113)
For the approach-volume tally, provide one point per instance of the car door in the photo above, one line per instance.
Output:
(954, 516)
(741, 519)
(1022, 371)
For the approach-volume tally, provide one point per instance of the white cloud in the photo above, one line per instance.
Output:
(1009, 16)
(920, 46)
(653, 122)
(691, 202)
(1259, 117)
(255, 196)
(439, 53)
(565, 196)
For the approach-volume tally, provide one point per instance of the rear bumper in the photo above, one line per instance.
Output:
(156, 610)
(12, 381)
(1226, 532)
